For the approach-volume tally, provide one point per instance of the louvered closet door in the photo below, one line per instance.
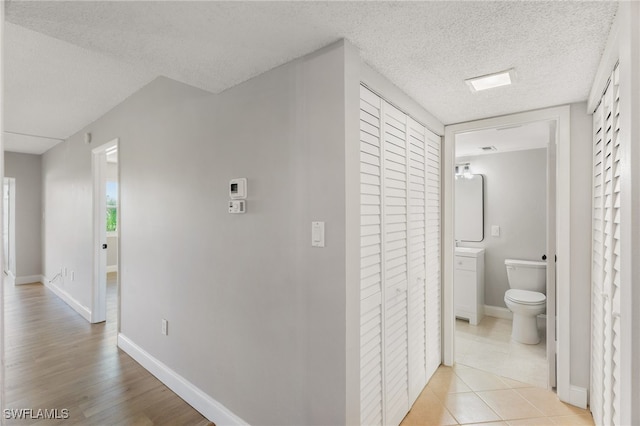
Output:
(371, 351)
(400, 254)
(395, 261)
(417, 258)
(605, 391)
(433, 295)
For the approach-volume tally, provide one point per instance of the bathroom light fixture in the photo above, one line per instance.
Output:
(489, 81)
(463, 171)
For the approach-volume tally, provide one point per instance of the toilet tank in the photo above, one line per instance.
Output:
(527, 275)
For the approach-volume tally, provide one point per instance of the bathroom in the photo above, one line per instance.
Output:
(501, 215)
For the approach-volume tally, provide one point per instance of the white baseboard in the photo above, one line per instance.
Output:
(207, 406)
(578, 396)
(28, 279)
(9, 278)
(68, 299)
(505, 313)
(112, 268)
(497, 312)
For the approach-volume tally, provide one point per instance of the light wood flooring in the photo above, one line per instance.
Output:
(55, 359)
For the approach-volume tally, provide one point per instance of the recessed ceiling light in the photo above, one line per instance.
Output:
(488, 148)
(502, 78)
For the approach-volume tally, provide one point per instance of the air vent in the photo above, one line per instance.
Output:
(488, 148)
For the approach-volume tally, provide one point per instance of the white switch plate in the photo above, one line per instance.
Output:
(495, 231)
(165, 327)
(317, 234)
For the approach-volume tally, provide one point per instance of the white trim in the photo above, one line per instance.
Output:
(68, 299)
(578, 396)
(562, 116)
(10, 278)
(99, 285)
(112, 268)
(198, 399)
(28, 279)
(498, 312)
(505, 313)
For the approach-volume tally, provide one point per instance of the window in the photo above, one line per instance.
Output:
(112, 206)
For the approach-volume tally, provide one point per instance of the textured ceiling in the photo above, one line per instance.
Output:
(516, 138)
(53, 88)
(427, 49)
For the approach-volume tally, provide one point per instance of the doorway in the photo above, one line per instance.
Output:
(501, 195)
(9, 228)
(557, 332)
(106, 221)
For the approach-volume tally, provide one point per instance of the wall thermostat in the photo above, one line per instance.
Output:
(237, 206)
(238, 188)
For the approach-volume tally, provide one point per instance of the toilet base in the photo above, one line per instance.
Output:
(525, 329)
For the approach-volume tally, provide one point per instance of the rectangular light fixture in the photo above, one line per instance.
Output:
(489, 81)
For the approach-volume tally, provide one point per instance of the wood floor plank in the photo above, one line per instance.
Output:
(55, 359)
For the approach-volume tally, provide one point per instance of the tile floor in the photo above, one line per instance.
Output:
(488, 347)
(465, 395)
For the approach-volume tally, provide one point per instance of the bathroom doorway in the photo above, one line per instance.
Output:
(558, 302)
(501, 186)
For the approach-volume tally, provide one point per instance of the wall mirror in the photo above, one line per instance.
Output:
(469, 208)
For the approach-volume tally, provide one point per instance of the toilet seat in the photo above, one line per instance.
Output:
(525, 297)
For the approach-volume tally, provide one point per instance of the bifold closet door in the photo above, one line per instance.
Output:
(399, 196)
(605, 353)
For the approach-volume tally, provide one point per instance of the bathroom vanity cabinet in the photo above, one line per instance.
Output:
(469, 284)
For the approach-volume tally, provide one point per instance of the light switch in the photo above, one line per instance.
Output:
(495, 231)
(317, 234)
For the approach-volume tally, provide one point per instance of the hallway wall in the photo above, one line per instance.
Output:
(256, 315)
(26, 169)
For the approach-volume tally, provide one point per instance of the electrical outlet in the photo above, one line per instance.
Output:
(165, 327)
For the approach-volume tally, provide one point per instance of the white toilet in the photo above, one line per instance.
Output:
(525, 298)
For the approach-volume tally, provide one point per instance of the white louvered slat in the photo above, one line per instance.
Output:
(371, 270)
(606, 314)
(417, 258)
(396, 263)
(432, 246)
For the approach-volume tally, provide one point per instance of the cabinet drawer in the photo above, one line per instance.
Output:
(465, 263)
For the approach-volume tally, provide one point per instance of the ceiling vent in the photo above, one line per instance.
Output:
(488, 148)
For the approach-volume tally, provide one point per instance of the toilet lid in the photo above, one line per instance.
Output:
(525, 297)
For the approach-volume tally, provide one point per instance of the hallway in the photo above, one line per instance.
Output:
(54, 359)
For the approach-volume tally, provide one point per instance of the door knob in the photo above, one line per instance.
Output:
(104, 246)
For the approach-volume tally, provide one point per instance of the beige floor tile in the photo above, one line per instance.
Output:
(509, 404)
(428, 410)
(538, 421)
(487, 424)
(469, 408)
(480, 380)
(581, 420)
(515, 384)
(441, 385)
(548, 403)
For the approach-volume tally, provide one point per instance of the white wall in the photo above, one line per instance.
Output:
(256, 315)
(26, 169)
(515, 199)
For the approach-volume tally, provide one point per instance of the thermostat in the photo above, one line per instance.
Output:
(238, 188)
(237, 206)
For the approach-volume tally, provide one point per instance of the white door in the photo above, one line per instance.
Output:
(605, 326)
(551, 256)
(400, 254)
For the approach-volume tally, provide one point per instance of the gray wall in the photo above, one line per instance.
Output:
(515, 199)
(256, 315)
(26, 169)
